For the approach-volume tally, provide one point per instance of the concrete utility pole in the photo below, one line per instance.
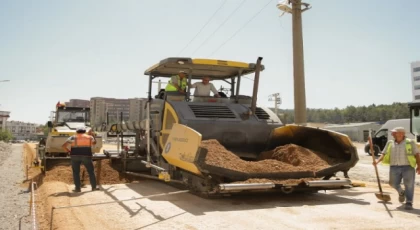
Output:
(277, 101)
(298, 60)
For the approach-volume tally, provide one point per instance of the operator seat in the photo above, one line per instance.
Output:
(222, 95)
(161, 94)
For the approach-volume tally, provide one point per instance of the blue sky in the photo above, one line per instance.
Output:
(356, 52)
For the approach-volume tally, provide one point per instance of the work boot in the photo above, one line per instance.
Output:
(401, 197)
(95, 189)
(408, 206)
(77, 190)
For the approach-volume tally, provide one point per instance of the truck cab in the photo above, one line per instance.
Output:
(411, 125)
(381, 137)
(379, 140)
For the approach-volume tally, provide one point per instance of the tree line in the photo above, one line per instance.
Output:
(371, 113)
(5, 135)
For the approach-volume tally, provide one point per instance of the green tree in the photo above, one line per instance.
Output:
(45, 129)
(371, 113)
(5, 135)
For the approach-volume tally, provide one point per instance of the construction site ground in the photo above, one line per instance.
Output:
(355, 208)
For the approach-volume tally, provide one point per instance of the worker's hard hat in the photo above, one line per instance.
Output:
(398, 130)
(81, 129)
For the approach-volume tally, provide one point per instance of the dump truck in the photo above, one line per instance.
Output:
(176, 124)
(64, 122)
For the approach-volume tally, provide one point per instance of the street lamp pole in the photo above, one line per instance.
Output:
(277, 101)
(298, 60)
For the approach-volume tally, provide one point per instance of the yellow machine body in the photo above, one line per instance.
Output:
(181, 148)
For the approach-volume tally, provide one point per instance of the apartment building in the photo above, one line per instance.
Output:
(4, 115)
(131, 109)
(78, 103)
(415, 80)
(137, 109)
(22, 130)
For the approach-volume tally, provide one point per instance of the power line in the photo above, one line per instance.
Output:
(203, 27)
(253, 17)
(248, 78)
(227, 19)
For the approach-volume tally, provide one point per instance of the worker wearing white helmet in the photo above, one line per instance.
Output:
(402, 155)
(177, 83)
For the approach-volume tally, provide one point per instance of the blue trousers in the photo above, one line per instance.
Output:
(76, 161)
(407, 174)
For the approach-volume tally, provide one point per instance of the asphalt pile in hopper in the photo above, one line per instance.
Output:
(108, 174)
(287, 158)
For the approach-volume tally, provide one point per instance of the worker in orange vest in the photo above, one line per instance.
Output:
(81, 153)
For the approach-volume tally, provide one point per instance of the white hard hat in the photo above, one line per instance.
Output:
(398, 129)
(81, 128)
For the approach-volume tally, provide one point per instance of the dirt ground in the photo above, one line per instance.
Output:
(356, 208)
(60, 177)
(339, 209)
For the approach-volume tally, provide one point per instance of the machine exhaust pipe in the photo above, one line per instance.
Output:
(256, 82)
(328, 183)
(238, 187)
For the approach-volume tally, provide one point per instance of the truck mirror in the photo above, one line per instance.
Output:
(50, 125)
(416, 112)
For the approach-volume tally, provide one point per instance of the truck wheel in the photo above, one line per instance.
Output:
(375, 149)
(367, 149)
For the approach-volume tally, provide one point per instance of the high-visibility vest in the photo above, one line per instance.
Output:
(183, 85)
(408, 150)
(81, 145)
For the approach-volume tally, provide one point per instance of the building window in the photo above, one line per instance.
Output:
(417, 97)
(416, 69)
(417, 87)
(416, 78)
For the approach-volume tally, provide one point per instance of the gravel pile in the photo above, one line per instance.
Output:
(299, 156)
(287, 158)
(13, 198)
(109, 175)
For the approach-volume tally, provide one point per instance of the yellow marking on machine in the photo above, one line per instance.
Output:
(198, 61)
(358, 184)
(167, 126)
(289, 131)
(165, 176)
(181, 148)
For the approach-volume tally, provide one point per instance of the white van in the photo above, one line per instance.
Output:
(391, 124)
(381, 137)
